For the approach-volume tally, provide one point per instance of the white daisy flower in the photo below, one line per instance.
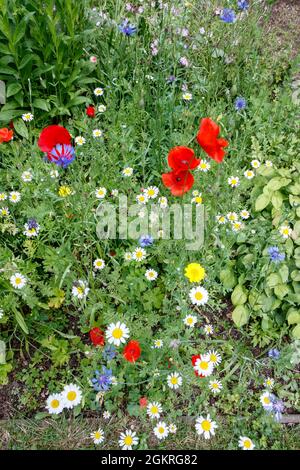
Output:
(101, 108)
(151, 274)
(172, 428)
(158, 343)
(128, 439)
(268, 163)
(204, 166)
(26, 176)
(127, 171)
(249, 174)
(269, 383)
(139, 254)
(190, 321)
(187, 96)
(97, 133)
(208, 329)
(205, 426)
(106, 414)
(71, 396)
(31, 231)
(174, 380)
(154, 410)
(55, 404)
(97, 436)
(14, 197)
(98, 91)
(128, 256)
(4, 211)
(117, 333)
(80, 289)
(198, 295)
(197, 200)
(163, 202)
(237, 226)
(255, 164)
(204, 366)
(161, 430)
(221, 219)
(27, 117)
(18, 281)
(232, 216)
(151, 192)
(245, 214)
(285, 231)
(233, 181)
(3, 196)
(99, 264)
(246, 443)
(215, 386)
(266, 401)
(214, 357)
(142, 198)
(100, 193)
(54, 174)
(79, 140)
(114, 192)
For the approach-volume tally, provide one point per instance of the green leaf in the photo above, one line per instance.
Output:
(21, 322)
(8, 115)
(19, 31)
(281, 291)
(273, 280)
(240, 315)
(2, 353)
(293, 316)
(276, 183)
(239, 295)
(277, 200)
(20, 128)
(41, 104)
(261, 202)
(13, 88)
(284, 273)
(228, 278)
(296, 332)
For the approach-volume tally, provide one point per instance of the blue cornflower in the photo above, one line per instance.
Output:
(145, 240)
(243, 4)
(127, 28)
(32, 223)
(102, 381)
(274, 353)
(240, 103)
(228, 15)
(62, 155)
(275, 254)
(109, 352)
(278, 408)
(171, 79)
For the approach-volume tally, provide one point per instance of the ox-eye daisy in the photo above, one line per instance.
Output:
(151, 274)
(101, 108)
(4, 211)
(221, 219)
(208, 329)
(204, 166)
(232, 216)
(269, 383)
(55, 404)
(26, 176)
(172, 428)
(246, 443)
(237, 226)
(3, 196)
(187, 96)
(151, 192)
(205, 426)
(97, 133)
(71, 395)
(163, 202)
(197, 200)
(142, 198)
(266, 400)
(14, 197)
(97, 436)
(285, 231)
(158, 343)
(139, 254)
(128, 256)
(100, 193)
(80, 289)
(174, 380)
(255, 164)
(127, 171)
(27, 117)
(190, 321)
(79, 140)
(128, 439)
(154, 409)
(215, 386)
(214, 357)
(268, 163)
(233, 181)
(98, 91)
(99, 264)
(117, 333)
(245, 214)
(204, 366)
(249, 174)
(161, 430)
(198, 295)
(18, 281)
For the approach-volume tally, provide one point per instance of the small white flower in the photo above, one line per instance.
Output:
(214, 357)
(268, 163)
(190, 321)
(55, 404)
(3, 196)
(172, 428)
(249, 174)
(163, 202)
(269, 383)
(14, 197)
(233, 181)
(117, 333)
(151, 274)
(71, 396)
(198, 295)
(4, 211)
(139, 254)
(27, 117)
(221, 219)
(128, 439)
(204, 366)
(236, 226)
(26, 176)
(266, 401)
(54, 174)
(255, 164)
(205, 426)
(99, 264)
(79, 140)
(98, 91)
(114, 192)
(246, 443)
(245, 214)
(142, 198)
(197, 200)
(204, 166)
(101, 108)
(154, 410)
(232, 216)
(80, 289)
(158, 343)
(97, 133)
(215, 386)
(187, 96)
(208, 329)
(31, 231)
(174, 380)
(161, 430)
(285, 231)
(100, 193)
(18, 281)
(127, 171)
(151, 192)
(106, 414)
(128, 256)
(97, 436)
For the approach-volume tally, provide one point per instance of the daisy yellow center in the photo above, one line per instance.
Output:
(54, 403)
(154, 410)
(206, 425)
(99, 263)
(128, 440)
(213, 358)
(203, 165)
(80, 290)
(266, 400)
(161, 430)
(203, 365)
(174, 380)
(198, 199)
(14, 197)
(233, 181)
(151, 192)
(190, 320)
(18, 280)
(215, 385)
(98, 435)
(198, 296)
(285, 231)
(221, 219)
(71, 395)
(247, 444)
(117, 333)
(139, 254)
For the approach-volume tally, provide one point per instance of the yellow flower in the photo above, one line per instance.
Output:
(64, 191)
(195, 272)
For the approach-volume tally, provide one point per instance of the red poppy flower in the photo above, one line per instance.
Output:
(207, 138)
(90, 111)
(182, 158)
(5, 135)
(143, 402)
(53, 135)
(97, 336)
(132, 351)
(179, 181)
(194, 359)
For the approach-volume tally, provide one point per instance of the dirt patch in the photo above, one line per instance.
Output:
(284, 23)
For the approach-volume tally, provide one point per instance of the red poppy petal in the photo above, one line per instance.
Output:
(180, 157)
(53, 135)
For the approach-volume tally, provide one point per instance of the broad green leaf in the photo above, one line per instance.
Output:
(228, 278)
(13, 88)
(20, 128)
(239, 295)
(277, 200)
(240, 315)
(261, 202)
(281, 290)
(273, 280)
(21, 322)
(284, 273)
(293, 316)
(41, 104)
(296, 332)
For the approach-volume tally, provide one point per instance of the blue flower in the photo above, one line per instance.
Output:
(240, 103)
(109, 352)
(102, 381)
(278, 408)
(145, 240)
(171, 79)
(127, 28)
(274, 354)
(228, 15)
(32, 223)
(243, 4)
(275, 254)
(62, 155)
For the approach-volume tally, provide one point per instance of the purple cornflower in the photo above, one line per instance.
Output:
(278, 408)
(62, 155)
(145, 240)
(102, 381)
(171, 79)
(228, 15)
(274, 353)
(127, 28)
(32, 223)
(184, 62)
(243, 4)
(240, 103)
(275, 254)
(109, 352)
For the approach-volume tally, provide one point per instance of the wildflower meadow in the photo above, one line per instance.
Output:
(149, 226)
